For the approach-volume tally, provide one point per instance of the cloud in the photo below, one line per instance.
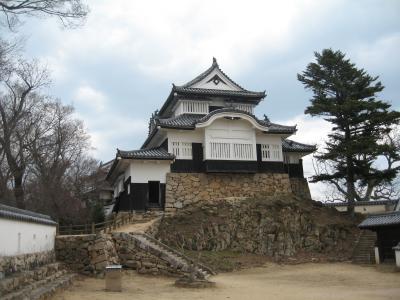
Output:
(311, 131)
(91, 99)
(107, 129)
(174, 37)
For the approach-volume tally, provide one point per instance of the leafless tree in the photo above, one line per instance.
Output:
(70, 12)
(20, 109)
(58, 148)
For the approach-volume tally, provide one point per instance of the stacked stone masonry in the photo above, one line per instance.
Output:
(300, 187)
(24, 262)
(147, 257)
(274, 226)
(32, 276)
(90, 254)
(87, 254)
(186, 189)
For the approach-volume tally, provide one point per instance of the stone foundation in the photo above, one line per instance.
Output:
(278, 227)
(24, 262)
(185, 189)
(87, 254)
(300, 187)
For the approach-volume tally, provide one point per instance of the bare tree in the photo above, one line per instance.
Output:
(58, 145)
(70, 12)
(20, 109)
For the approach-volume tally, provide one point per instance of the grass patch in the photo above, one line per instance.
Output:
(227, 260)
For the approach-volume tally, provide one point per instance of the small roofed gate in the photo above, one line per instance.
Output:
(387, 238)
(387, 228)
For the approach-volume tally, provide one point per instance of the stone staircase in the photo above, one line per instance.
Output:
(364, 250)
(39, 283)
(178, 263)
(184, 262)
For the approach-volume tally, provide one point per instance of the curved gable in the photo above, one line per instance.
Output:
(205, 122)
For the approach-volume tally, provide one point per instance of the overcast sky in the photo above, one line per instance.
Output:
(118, 68)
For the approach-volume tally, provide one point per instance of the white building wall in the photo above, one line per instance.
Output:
(142, 171)
(207, 84)
(187, 136)
(271, 139)
(20, 237)
(365, 209)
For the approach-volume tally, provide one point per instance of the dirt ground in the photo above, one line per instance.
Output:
(304, 281)
(137, 227)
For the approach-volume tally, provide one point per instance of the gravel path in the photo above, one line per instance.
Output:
(306, 281)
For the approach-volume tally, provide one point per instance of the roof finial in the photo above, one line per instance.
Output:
(215, 61)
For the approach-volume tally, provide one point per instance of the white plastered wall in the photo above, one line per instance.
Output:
(203, 84)
(365, 209)
(270, 139)
(142, 171)
(188, 136)
(20, 237)
(294, 157)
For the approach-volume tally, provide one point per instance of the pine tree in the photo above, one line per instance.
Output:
(347, 97)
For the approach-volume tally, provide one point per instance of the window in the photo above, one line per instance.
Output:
(271, 152)
(192, 107)
(265, 152)
(231, 151)
(245, 107)
(182, 150)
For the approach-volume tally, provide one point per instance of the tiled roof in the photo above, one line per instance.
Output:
(181, 121)
(153, 153)
(384, 219)
(292, 146)
(14, 213)
(363, 203)
(208, 72)
(186, 89)
(188, 121)
(212, 92)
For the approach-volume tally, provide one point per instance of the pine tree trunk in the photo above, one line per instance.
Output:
(350, 187)
(19, 192)
(349, 176)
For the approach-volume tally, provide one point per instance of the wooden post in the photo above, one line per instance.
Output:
(58, 229)
(93, 229)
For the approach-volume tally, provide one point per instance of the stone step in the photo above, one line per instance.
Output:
(26, 291)
(180, 261)
(24, 278)
(364, 251)
(42, 289)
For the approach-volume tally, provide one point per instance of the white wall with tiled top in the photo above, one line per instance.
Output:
(21, 237)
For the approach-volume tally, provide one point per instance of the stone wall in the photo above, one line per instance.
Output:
(90, 254)
(135, 254)
(185, 189)
(24, 262)
(87, 254)
(279, 227)
(300, 187)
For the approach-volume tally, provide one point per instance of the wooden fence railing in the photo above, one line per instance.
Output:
(106, 226)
